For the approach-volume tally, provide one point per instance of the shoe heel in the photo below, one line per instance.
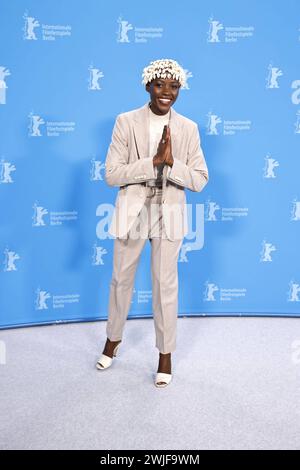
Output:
(105, 361)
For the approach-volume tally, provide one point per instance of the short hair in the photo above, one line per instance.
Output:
(164, 68)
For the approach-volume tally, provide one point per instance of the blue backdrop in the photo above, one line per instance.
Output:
(66, 70)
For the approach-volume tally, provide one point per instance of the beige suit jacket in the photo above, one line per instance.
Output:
(128, 164)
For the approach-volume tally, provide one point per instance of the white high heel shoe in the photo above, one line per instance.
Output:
(105, 361)
(162, 377)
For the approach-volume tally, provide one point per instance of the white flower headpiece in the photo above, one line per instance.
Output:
(164, 68)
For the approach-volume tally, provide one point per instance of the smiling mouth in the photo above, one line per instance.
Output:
(164, 101)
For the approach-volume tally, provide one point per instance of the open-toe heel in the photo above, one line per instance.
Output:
(105, 361)
(164, 378)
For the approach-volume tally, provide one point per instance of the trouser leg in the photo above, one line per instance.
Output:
(125, 260)
(164, 268)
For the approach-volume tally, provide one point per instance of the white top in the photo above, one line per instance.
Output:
(156, 126)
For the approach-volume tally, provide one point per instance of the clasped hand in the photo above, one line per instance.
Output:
(164, 149)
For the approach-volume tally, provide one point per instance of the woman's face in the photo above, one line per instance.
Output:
(163, 93)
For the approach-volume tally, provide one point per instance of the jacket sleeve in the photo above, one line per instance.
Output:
(193, 174)
(118, 171)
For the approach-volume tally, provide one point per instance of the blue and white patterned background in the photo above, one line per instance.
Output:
(66, 70)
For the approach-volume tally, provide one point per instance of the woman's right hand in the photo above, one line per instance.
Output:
(163, 147)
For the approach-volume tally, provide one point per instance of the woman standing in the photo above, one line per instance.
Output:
(154, 155)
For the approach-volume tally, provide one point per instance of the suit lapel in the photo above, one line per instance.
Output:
(141, 131)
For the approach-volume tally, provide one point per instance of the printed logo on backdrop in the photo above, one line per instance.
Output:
(141, 296)
(188, 74)
(133, 296)
(4, 72)
(55, 218)
(10, 257)
(42, 300)
(144, 296)
(213, 292)
(217, 32)
(270, 164)
(215, 125)
(267, 249)
(295, 212)
(6, 169)
(296, 100)
(293, 292)
(126, 32)
(53, 128)
(273, 74)
(214, 212)
(185, 248)
(95, 171)
(98, 253)
(33, 30)
(94, 77)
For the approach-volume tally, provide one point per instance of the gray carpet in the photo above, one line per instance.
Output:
(236, 385)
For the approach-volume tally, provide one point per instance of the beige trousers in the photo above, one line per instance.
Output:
(164, 273)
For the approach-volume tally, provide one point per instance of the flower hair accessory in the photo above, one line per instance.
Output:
(164, 68)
